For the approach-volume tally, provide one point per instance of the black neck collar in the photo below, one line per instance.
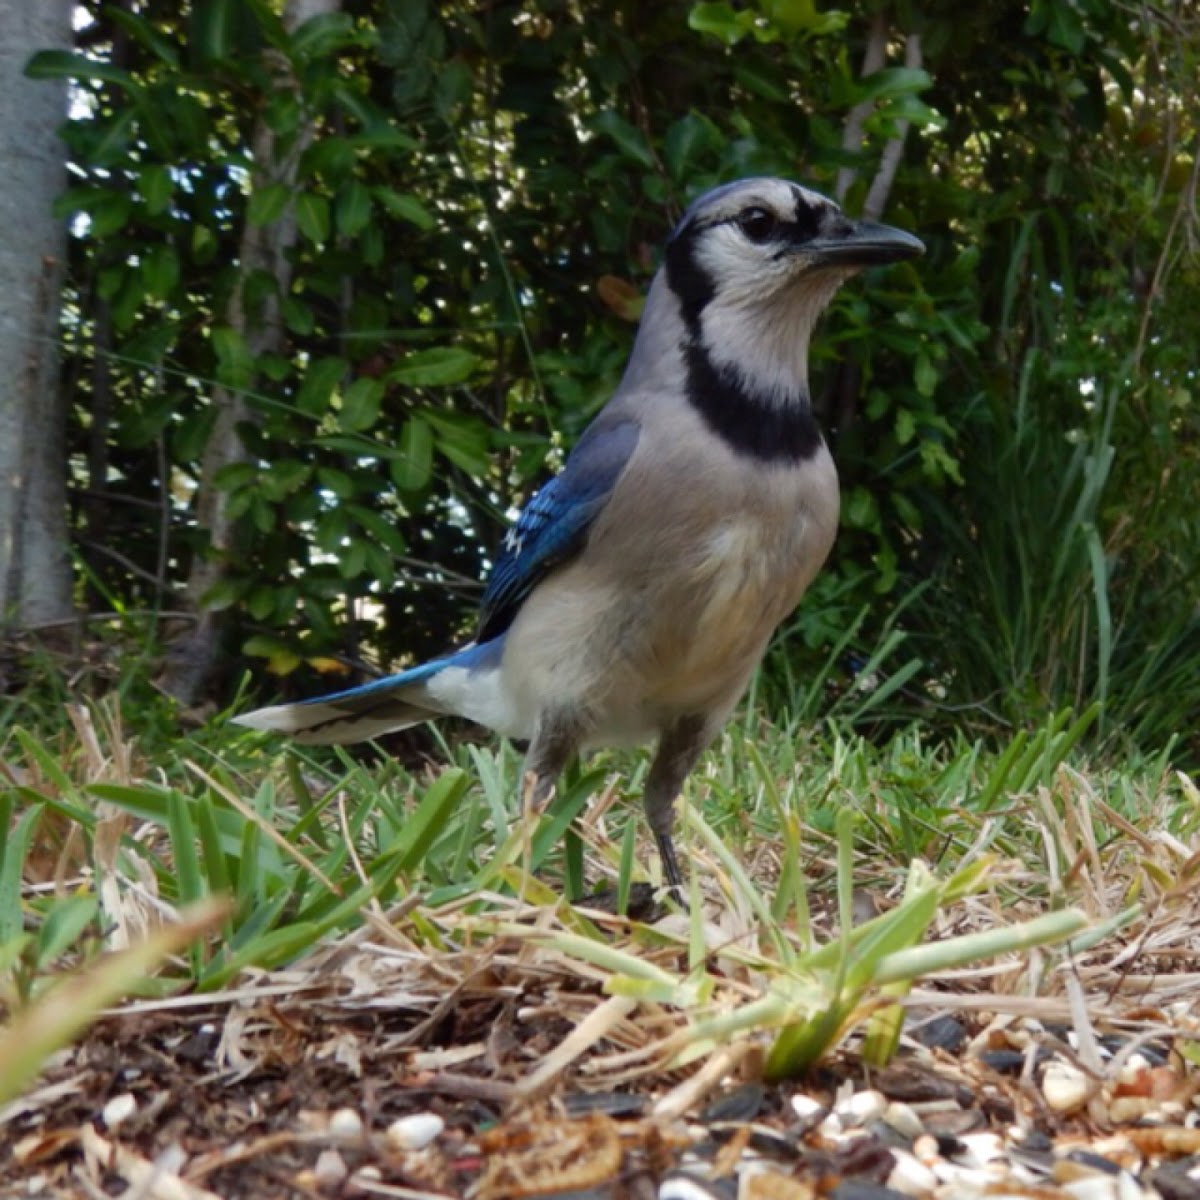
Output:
(750, 423)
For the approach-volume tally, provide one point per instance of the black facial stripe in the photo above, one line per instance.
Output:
(751, 425)
(806, 224)
(687, 278)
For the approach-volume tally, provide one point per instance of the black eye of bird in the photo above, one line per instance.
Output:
(757, 223)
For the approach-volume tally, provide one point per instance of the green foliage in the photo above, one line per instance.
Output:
(478, 200)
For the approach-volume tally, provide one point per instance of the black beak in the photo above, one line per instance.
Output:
(864, 244)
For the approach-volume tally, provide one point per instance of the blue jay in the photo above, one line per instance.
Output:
(636, 593)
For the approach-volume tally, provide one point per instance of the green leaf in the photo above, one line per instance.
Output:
(439, 366)
(212, 29)
(297, 316)
(860, 511)
(925, 375)
(156, 186)
(453, 88)
(438, 804)
(351, 560)
(15, 847)
(143, 31)
(63, 927)
(204, 244)
(66, 64)
(188, 879)
(160, 270)
(284, 477)
(330, 158)
(412, 470)
(462, 439)
(313, 395)
(281, 658)
(892, 81)
(337, 482)
(312, 217)
(628, 139)
(802, 16)
(224, 594)
(690, 138)
(361, 403)
(109, 213)
(322, 35)
(380, 529)
(111, 147)
(721, 21)
(353, 208)
(405, 206)
(235, 363)
(268, 203)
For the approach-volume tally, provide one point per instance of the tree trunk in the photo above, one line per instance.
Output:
(193, 657)
(35, 573)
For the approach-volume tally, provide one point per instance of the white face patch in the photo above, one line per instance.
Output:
(766, 300)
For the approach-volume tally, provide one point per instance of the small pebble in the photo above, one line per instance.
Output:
(860, 1189)
(941, 1033)
(758, 1182)
(805, 1107)
(862, 1108)
(1004, 1062)
(925, 1148)
(963, 1181)
(979, 1149)
(1095, 1187)
(741, 1104)
(415, 1131)
(903, 1120)
(832, 1127)
(345, 1123)
(953, 1123)
(1080, 1164)
(1135, 1066)
(1066, 1088)
(330, 1171)
(911, 1176)
(118, 1109)
(688, 1187)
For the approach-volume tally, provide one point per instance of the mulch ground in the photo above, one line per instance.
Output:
(337, 1088)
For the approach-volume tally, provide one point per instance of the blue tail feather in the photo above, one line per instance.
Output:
(370, 709)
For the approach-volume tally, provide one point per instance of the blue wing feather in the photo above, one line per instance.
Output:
(554, 524)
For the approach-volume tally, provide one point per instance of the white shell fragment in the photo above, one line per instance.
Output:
(909, 1176)
(805, 1107)
(1066, 1088)
(862, 1108)
(330, 1171)
(346, 1124)
(414, 1132)
(686, 1187)
(903, 1120)
(1094, 1187)
(118, 1109)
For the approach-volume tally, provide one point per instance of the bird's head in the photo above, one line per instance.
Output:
(752, 265)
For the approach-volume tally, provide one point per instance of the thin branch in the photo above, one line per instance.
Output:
(881, 185)
(852, 132)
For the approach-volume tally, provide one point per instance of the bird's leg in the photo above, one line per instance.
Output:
(678, 749)
(555, 741)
